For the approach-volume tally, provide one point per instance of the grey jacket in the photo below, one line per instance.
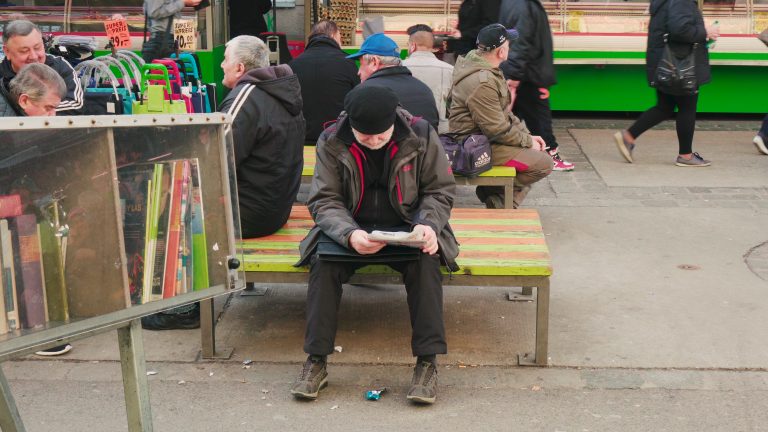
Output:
(159, 12)
(437, 75)
(421, 185)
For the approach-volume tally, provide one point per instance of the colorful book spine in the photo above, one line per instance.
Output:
(157, 200)
(146, 285)
(3, 313)
(174, 232)
(9, 278)
(160, 229)
(184, 275)
(53, 274)
(199, 246)
(32, 293)
(135, 192)
(10, 206)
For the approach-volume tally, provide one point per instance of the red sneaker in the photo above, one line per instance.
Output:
(559, 163)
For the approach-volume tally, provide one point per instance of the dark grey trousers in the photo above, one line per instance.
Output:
(423, 284)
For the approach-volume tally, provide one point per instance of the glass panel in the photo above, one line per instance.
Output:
(613, 17)
(96, 219)
(731, 15)
(86, 17)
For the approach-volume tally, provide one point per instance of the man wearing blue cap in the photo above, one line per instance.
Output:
(380, 66)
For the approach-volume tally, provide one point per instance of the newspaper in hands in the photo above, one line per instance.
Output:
(398, 238)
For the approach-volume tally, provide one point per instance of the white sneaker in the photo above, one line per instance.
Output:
(759, 141)
(55, 351)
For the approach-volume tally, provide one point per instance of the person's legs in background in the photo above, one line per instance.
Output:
(685, 124)
(537, 114)
(761, 139)
(664, 108)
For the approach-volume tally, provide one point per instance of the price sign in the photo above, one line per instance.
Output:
(117, 32)
(184, 33)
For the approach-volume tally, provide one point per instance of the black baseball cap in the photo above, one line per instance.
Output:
(493, 36)
(371, 109)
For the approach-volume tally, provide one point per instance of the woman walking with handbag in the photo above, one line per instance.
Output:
(677, 38)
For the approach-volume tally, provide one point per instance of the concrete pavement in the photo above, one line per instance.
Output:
(659, 314)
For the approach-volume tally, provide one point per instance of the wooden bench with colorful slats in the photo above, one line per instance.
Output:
(500, 248)
(496, 176)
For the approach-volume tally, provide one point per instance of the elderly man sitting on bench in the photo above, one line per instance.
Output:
(378, 168)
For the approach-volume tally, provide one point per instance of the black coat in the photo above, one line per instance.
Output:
(268, 135)
(682, 20)
(473, 16)
(413, 94)
(326, 76)
(530, 57)
(246, 17)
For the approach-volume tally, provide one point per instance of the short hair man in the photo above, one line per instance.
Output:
(427, 68)
(23, 45)
(481, 103)
(325, 75)
(380, 65)
(36, 91)
(378, 166)
(268, 131)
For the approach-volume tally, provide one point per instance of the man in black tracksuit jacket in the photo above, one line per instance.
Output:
(326, 76)
(23, 44)
(268, 133)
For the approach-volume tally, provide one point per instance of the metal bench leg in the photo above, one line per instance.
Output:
(208, 333)
(540, 357)
(135, 385)
(251, 290)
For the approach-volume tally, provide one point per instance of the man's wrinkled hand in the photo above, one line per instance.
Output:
(360, 243)
(429, 237)
(538, 143)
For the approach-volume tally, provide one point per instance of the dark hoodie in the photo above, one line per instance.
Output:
(413, 94)
(682, 20)
(326, 76)
(268, 133)
(531, 56)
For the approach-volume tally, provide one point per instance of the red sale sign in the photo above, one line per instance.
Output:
(117, 32)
